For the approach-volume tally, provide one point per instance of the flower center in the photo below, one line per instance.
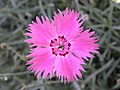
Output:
(60, 46)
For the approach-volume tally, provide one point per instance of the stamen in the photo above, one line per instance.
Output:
(60, 46)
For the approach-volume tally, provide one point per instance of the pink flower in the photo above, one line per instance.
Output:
(61, 46)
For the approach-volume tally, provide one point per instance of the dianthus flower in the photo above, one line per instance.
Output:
(60, 46)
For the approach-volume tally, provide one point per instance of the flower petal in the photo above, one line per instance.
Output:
(41, 32)
(42, 64)
(68, 24)
(68, 68)
(85, 44)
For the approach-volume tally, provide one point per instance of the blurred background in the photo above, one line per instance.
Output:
(102, 72)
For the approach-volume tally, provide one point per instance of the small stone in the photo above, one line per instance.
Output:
(3, 45)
